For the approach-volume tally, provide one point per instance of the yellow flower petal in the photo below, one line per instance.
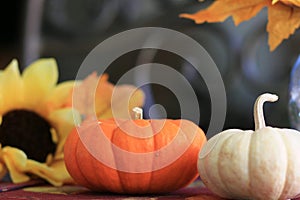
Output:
(54, 135)
(19, 166)
(15, 161)
(56, 173)
(11, 95)
(63, 121)
(39, 80)
(3, 170)
(36, 91)
(58, 98)
(61, 174)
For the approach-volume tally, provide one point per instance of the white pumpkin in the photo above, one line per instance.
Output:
(260, 164)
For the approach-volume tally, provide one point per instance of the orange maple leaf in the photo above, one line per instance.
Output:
(283, 15)
(95, 95)
(288, 2)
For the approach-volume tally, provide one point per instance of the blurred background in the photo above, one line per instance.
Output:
(69, 29)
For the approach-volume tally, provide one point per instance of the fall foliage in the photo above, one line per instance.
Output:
(283, 15)
(95, 95)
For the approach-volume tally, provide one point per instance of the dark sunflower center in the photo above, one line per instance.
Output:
(27, 131)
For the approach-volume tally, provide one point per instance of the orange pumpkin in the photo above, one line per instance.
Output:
(134, 156)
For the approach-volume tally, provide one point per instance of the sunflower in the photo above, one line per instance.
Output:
(34, 122)
(283, 15)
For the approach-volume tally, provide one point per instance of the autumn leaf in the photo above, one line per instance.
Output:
(103, 95)
(288, 2)
(283, 21)
(82, 96)
(124, 96)
(95, 95)
(240, 10)
(283, 15)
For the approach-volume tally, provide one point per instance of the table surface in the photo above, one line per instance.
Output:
(38, 189)
(41, 190)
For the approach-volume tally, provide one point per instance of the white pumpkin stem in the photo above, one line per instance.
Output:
(138, 113)
(259, 119)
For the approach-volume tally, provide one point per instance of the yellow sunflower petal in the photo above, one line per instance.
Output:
(60, 172)
(3, 170)
(11, 95)
(56, 173)
(20, 167)
(58, 98)
(39, 80)
(43, 96)
(15, 161)
(63, 121)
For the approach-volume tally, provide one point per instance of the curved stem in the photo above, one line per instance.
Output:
(259, 119)
(138, 113)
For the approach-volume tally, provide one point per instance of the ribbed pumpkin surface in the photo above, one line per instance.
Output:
(94, 159)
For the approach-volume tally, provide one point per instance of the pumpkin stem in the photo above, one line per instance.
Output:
(138, 113)
(259, 119)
